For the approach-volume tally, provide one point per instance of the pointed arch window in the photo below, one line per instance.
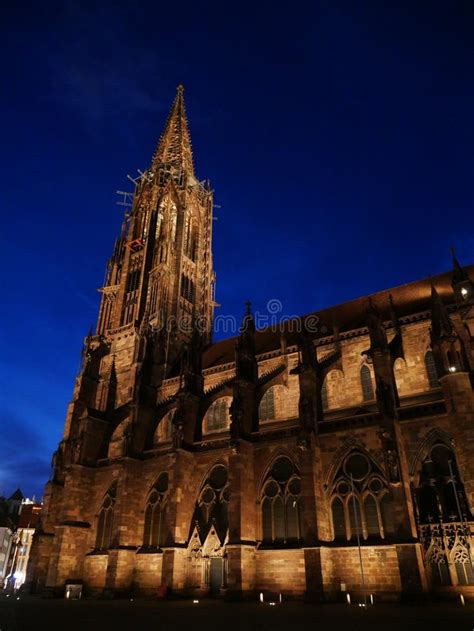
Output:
(388, 522)
(338, 518)
(266, 409)
(360, 500)
(431, 371)
(159, 223)
(187, 288)
(217, 416)
(154, 530)
(193, 248)
(371, 516)
(436, 496)
(366, 383)
(164, 431)
(211, 506)
(355, 517)
(173, 222)
(463, 566)
(438, 567)
(280, 504)
(105, 520)
(186, 232)
(190, 231)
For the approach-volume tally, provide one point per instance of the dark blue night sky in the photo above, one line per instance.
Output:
(339, 138)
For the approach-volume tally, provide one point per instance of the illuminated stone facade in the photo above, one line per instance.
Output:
(271, 462)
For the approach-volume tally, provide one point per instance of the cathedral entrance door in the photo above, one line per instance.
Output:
(216, 574)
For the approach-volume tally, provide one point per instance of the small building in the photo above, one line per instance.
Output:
(14, 503)
(6, 537)
(29, 515)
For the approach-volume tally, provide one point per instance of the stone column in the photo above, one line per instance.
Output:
(180, 510)
(308, 524)
(242, 521)
(412, 571)
(314, 574)
(67, 556)
(125, 540)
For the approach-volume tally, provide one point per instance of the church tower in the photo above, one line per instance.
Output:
(159, 280)
(158, 289)
(160, 272)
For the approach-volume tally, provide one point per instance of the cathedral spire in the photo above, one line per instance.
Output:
(174, 148)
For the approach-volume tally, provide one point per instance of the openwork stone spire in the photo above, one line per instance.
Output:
(174, 147)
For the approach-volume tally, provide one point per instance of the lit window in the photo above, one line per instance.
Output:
(361, 504)
(366, 382)
(431, 371)
(105, 521)
(280, 504)
(217, 416)
(154, 531)
(266, 410)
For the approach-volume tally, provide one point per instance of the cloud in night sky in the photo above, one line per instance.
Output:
(23, 458)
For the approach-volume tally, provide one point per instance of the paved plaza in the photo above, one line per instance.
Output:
(30, 613)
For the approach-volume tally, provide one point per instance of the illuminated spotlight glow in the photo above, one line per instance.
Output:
(463, 603)
(348, 598)
(195, 602)
(464, 291)
(452, 369)
(371, 599)
(271, 604)
(261, 597)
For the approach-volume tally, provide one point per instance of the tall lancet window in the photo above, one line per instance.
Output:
(281, 523)
(105, 520)
(431, 371)
(366, 383)
(173, 222)
(211, 509)
(154, 532)
(217, 417)
(266, 410)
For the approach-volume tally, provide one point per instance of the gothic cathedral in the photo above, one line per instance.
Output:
(304, 460)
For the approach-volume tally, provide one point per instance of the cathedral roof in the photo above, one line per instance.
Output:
(408, 299)
(174, 147)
